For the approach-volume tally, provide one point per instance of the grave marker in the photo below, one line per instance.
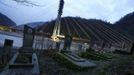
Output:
(67, 42)
(6, 51)
(24, 62)
(132, 48)
(28, 38)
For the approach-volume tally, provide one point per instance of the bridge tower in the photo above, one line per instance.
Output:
(56, 31)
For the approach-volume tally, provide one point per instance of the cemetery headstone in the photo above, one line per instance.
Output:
(79, 46)
(123, 45)
(130, 51)
(103, 44)
(110, 45)
(91, 43)
(6, 52)
(8, 43)
(57, 45)
(25, 56)
(67, 42)
(28, 38)
(132, 48)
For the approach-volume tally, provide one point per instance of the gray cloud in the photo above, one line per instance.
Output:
(109, 10)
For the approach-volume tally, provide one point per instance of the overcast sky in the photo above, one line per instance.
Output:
(108, 10)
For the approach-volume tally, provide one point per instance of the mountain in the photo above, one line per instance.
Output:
(4, 20)
(76, 26)
(85, 29)
(126, 24)
(33, 25)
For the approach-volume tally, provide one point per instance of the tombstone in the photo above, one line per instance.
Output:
(131, 51)
(6, 52)
(79, 46)
(28, 39)
(123, 45)
(57, 45)
(25, 58)
(8, 46)
(8, 43)
(102, 44)
(73, 57)
(132, 48)
(67, 42)
(91, 43)
(109, 45)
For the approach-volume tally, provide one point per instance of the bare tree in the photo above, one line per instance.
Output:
(24, 2)
(1, 2)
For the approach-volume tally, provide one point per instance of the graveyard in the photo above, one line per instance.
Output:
(62, 60)
(25, 60)
(58, 50)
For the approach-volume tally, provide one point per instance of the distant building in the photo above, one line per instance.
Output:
(3, 27)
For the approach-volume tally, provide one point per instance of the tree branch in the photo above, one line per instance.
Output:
(27, 3)
(6, 4)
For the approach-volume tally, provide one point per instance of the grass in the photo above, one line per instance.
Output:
(2, 65)
(61, 58)
(90, 54)
(116, 66)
